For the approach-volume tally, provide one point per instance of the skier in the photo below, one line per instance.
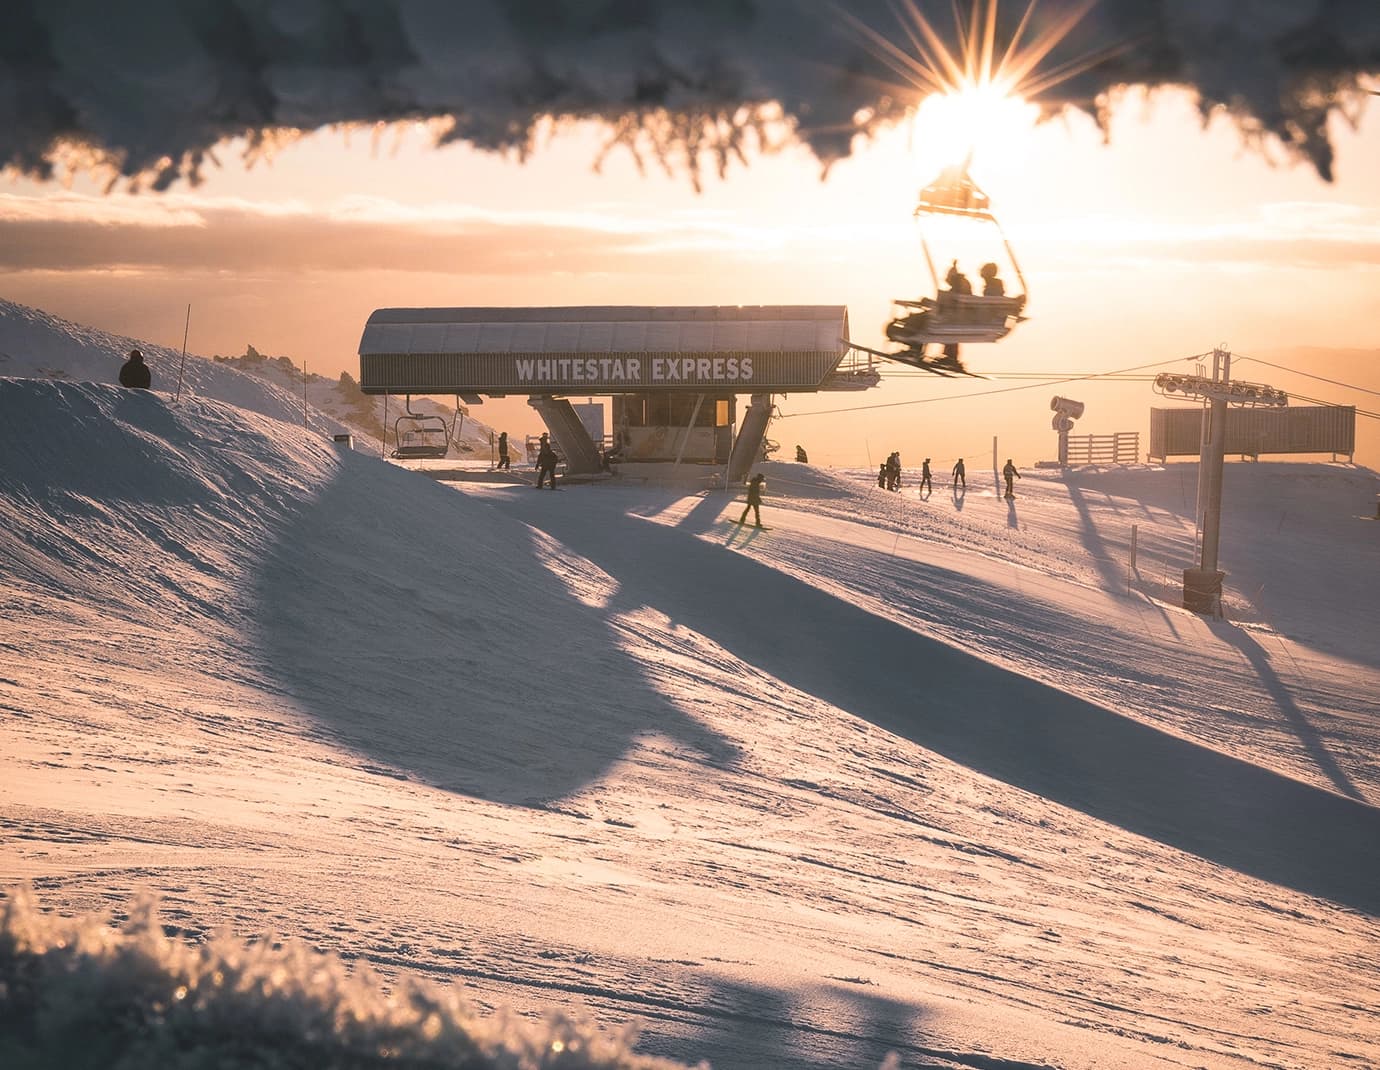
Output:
(881, 475)
(893, 471)
(754, 501)
(1010, 473)
(546, 463)
(503, 458)
(950, 360)
(801, 457)
(959, 477)
(135, 373)
(925, 484)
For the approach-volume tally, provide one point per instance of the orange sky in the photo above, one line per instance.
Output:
(1160, 244)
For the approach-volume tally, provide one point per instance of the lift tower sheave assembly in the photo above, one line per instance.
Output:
(1203, 585)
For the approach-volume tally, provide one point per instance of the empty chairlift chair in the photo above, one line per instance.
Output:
(418, 436)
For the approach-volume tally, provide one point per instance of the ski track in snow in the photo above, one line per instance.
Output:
(894, 776)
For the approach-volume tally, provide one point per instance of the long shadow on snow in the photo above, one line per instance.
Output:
(421, 629)
(990, 719)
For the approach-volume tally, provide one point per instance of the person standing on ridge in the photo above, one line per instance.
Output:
(754, 500)
(135, 373)
(1009, 471)
(546, 463)
(881, 475)
(959, 477)
(503, 458)
(925, 484)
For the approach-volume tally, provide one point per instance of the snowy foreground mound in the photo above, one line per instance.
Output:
(941, 777)
(75, 995)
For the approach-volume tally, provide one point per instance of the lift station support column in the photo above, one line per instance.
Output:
(748, 445)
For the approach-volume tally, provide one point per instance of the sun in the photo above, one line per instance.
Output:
(974, 98)
(985, 120)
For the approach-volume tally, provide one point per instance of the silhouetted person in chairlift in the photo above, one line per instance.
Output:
(959, 477)
(135, 373)
(503, 458)
(546, 463)
(992, 286)
(754, 500)
(925, 484)
(956, 281)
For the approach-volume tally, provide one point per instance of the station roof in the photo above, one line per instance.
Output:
(602, 348)
(597, 329)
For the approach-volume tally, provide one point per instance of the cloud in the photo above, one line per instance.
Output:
(185, 233)
(180, 234)
(150, 86)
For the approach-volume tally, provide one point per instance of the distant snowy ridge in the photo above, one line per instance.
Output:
(77, 994)
(38, 345)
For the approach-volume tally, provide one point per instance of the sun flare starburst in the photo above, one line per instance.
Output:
(974, 91)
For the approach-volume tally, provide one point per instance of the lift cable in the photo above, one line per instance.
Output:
(1309, 375)
(987, 393)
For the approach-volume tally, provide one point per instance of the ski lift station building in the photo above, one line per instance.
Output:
(674, 374)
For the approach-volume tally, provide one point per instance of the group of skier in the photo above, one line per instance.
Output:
(889, 475)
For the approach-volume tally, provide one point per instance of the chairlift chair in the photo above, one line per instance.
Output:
(418, 436)
(951, 318)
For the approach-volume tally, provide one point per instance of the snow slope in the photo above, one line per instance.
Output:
(938, 777)
(37, 344)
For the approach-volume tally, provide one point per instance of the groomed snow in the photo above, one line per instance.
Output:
(942, 777)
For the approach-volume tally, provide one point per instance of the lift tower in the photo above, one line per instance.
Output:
(1203, 585)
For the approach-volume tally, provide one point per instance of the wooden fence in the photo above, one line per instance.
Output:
(1123, 447)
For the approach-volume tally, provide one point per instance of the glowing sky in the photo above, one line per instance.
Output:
(1159, 244)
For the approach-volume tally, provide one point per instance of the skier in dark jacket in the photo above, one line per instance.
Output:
(135, 373)
(503, 458)
(546, 463)
(1010, 473)
(754, 500)
(925, 484)
(959, 478)
(881, 475)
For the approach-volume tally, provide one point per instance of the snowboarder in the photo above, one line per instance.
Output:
(959, 477)
(754, 500)
(1009, 471)
(135, 373)
(925, 484)
(546, 463)
(503, 458)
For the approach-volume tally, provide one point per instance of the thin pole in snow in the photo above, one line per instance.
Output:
(185, 328)
(304, 393)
